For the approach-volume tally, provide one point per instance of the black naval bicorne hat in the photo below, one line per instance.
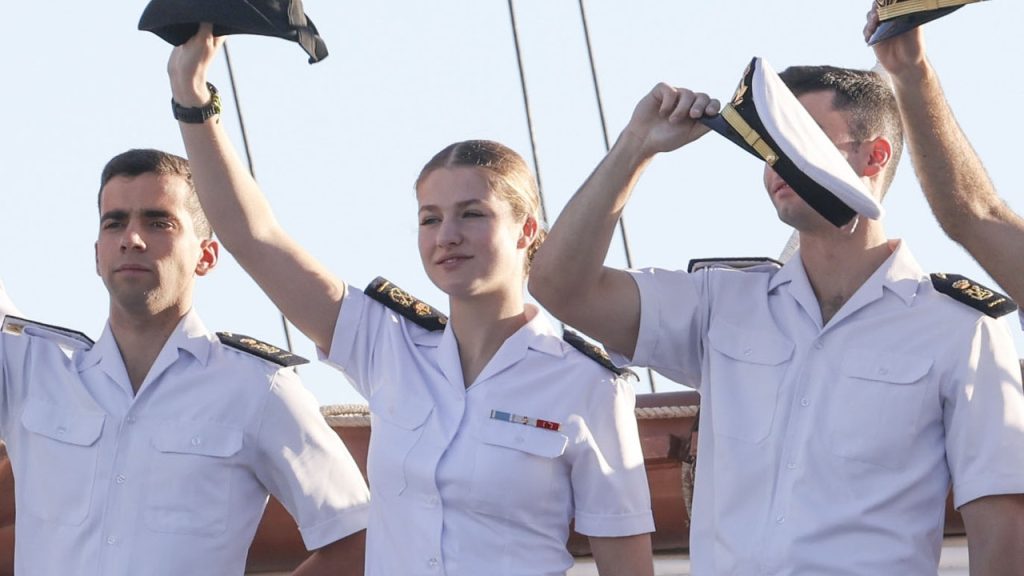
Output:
(766, 119)
(178, 20)
(898, 16)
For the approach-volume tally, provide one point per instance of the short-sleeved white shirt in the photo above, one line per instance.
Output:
(460, 493)
(171, 481)
(829, 450)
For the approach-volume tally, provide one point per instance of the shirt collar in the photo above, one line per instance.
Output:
(190, 335)
(900, 273)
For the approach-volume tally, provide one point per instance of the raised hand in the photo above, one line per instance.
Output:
(668, 118)
(188, 65)
(899, 54)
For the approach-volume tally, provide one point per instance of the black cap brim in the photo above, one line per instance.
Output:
(902, 24)
(176, 21)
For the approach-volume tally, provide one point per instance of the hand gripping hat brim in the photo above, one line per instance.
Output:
(766, 119)
(178, 20)
(899, 16)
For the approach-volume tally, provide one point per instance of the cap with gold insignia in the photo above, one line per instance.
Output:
(178, 20)
(766, 119)
(973, 294)
(261, 349)
(898, 16)
(400, 301)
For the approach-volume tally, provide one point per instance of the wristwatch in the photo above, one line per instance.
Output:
(198, 114)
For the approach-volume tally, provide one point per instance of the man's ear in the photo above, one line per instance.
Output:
(879, 154)
(208, 257)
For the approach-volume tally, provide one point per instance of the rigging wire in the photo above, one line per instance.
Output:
(248, 159)
(529, 116)
(607, 147)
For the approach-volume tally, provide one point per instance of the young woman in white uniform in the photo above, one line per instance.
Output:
(490, 433)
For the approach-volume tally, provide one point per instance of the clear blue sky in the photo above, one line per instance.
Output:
(337, 145)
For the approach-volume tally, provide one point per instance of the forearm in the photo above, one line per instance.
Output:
(995, 535)
(623, 556)
(955, 182)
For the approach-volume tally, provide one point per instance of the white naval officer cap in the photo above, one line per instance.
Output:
(899, 16)
(766, 119)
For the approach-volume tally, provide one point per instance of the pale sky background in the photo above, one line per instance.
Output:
(337, 145)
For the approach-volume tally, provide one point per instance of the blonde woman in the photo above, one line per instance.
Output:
(490, 433)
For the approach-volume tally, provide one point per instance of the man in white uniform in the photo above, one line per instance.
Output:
(153, 450)
(840, 394)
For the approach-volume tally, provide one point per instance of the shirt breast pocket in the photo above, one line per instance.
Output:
(398, 422)
(59, 462)
(191, 477)
(746, 368)
(515, 471)
(877, 406)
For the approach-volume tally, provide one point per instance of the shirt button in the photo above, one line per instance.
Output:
(120, 478)
(433, 501)
(805, 402)
(111, 540)
(883, 371)
(432, 563)
(196, 440)
(747, 352)
(131, 419)
(780, 519)
(791, 465)
(818, 344)
(61, 430)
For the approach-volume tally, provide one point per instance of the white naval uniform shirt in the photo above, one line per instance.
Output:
(456, 492)
(829, 450)
(172, 481)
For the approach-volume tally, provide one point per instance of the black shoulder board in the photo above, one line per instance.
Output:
(594, 352)
(973, 294)
(734, 263)
(261, 349)
(66, 336)
(402, 302)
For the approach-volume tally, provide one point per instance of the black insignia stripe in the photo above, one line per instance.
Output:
(16, 325)
(261, 349)
(973, 294)
(737, 263)
(594, 352)
(400, 301)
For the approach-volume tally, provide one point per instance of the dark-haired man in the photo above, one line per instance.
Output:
(840, 393)
(153, 450)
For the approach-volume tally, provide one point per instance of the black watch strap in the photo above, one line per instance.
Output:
(198, 114)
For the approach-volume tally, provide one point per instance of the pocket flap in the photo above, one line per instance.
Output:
(536, 441)
(754, 346)
(62, 424)
(882, 367)
(201, 438)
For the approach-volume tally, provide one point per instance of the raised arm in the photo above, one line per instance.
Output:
(307, 294)
(568, 275)
(951, 174)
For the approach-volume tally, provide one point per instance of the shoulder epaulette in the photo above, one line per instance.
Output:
(261, 349)
(973, 294)
(402, 302)
(594, 352)
(65, 336)
(734, 263)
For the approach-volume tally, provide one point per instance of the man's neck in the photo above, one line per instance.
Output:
(838, 263)
(140, 336)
